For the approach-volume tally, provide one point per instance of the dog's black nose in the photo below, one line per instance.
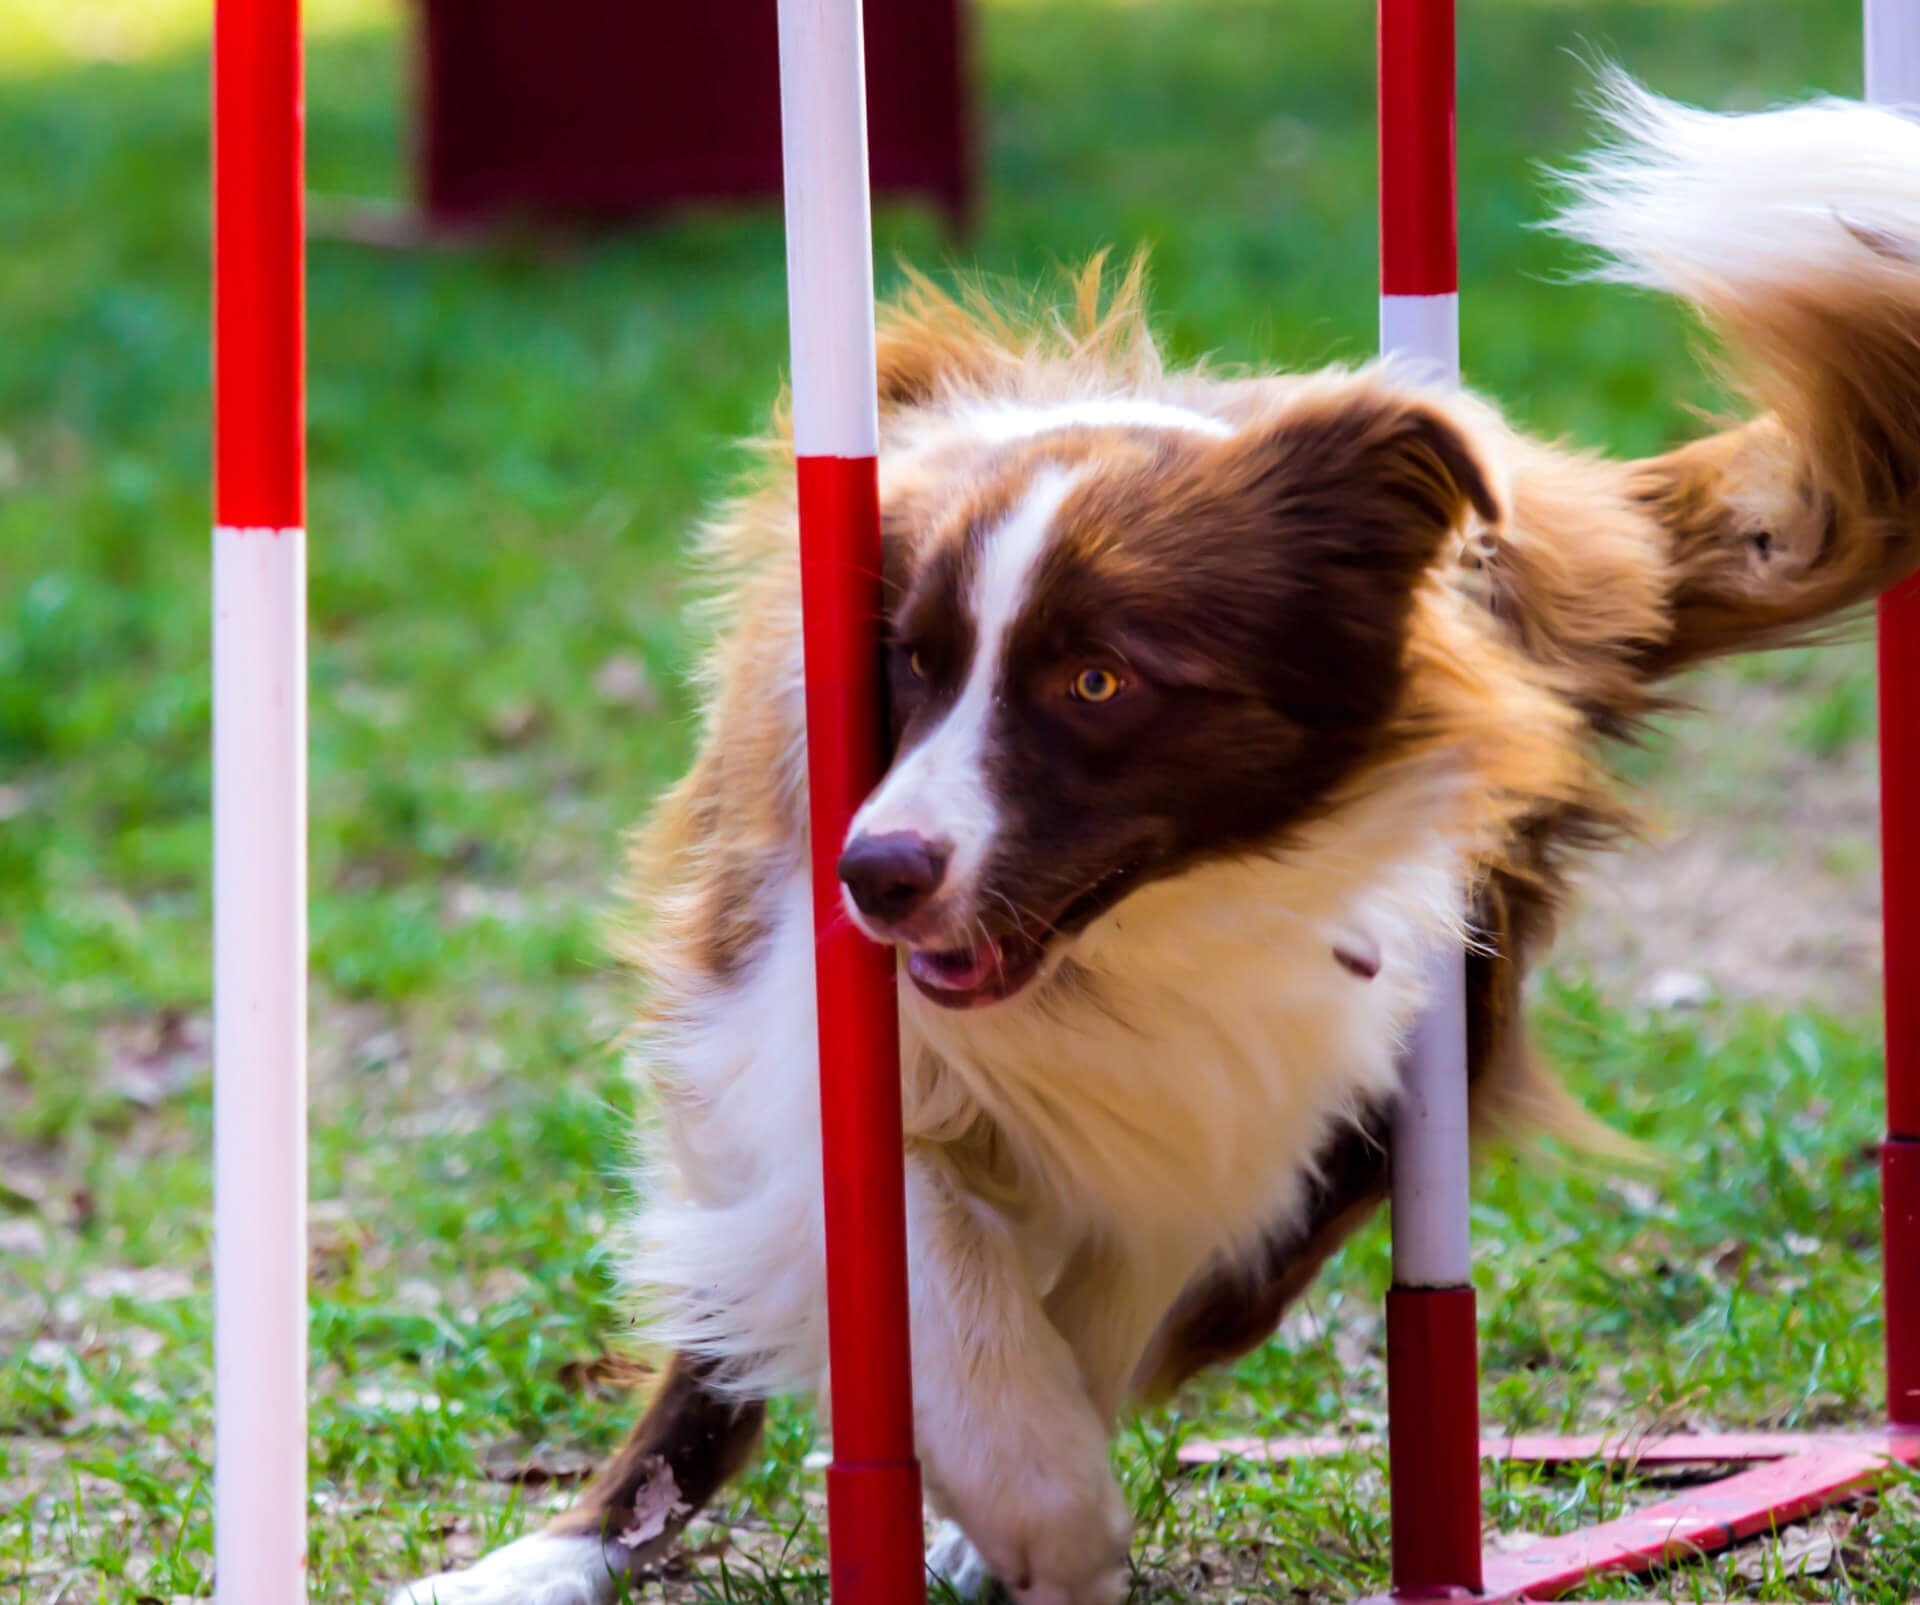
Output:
(891, 877)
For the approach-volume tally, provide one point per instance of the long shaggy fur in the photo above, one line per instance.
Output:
(1426, 621)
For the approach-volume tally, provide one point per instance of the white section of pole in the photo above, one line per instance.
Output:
(829, 228)
(1423, 332)
(1432, 1237)
(260, 1060)
(1892, 30)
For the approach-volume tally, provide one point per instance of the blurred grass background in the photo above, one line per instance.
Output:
(508, 447)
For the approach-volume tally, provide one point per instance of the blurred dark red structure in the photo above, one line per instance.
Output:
(602, 110)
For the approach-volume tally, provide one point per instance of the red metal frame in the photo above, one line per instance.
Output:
(873, 1484)
(1789, 1476)
(1563, 1449)
(1772, 1494)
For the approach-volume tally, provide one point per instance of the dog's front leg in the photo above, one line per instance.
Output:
(1014, 1450)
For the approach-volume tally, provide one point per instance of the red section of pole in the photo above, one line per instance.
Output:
(1433, 1441)
(1418, 253)
(873, 1485)
(258, 277)
(1900, 876)
(1900, 1247)
(1900, 849)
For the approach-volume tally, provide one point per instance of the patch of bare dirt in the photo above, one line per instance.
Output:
(1760, 877)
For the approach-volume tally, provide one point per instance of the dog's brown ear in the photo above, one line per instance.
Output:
(1374, 477)
(1357, 493)
(1331, 512)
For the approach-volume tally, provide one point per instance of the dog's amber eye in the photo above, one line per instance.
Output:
(1096, 685)
(917, 665)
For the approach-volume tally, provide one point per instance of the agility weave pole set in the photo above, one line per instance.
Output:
(874, 1505)
(1433, 1436)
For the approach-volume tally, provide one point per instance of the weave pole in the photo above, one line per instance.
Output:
(1433, 1372)
(1893, 77)
(259, 810)
(875, 1552)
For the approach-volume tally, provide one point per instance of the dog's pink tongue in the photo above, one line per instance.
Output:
(959, 969)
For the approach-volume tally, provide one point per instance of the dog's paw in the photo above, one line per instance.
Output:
(541, 1570)
(1055, 1539)
(952, 1560)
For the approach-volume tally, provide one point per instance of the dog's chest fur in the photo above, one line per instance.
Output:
(1170, 1084)
(1162, 1096)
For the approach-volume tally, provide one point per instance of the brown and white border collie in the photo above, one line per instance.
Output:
(1217, 703)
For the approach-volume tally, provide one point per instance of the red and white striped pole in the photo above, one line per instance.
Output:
(873, 1483)
(1433, 1373)
(1893, 77)
(259, 810)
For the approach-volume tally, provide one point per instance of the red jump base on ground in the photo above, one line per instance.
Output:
(1790, 1476)
(1761, 1500)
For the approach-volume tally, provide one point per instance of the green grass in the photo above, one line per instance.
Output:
(508, 448)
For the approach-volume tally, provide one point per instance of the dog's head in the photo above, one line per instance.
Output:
(1123, 639)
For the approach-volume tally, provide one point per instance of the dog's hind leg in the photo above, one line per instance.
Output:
(691, 1440)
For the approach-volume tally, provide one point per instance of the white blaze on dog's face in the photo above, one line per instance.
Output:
(936, 816)
(1127, 639)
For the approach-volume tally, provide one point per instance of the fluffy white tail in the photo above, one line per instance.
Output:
(1796, 234)
(1697, 202)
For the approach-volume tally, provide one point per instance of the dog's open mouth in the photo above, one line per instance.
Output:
(985, 971)
(992, 968)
